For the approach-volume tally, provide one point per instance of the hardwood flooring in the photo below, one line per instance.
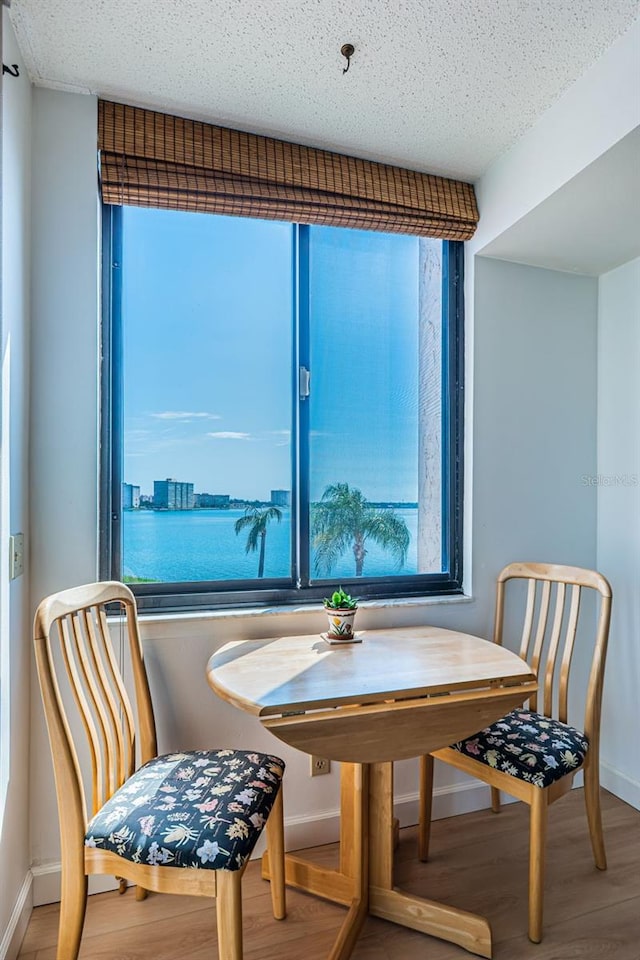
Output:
(479, 863)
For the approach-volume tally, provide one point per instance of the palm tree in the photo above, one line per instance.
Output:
(258, 521)
(344, 518)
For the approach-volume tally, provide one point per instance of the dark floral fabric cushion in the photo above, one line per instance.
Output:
(529, 746)
(199, 809)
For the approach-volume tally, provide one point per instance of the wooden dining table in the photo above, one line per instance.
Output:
(400, 693)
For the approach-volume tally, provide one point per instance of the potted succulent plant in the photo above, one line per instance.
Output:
(341, 611)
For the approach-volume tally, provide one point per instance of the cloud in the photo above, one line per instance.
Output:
(185, 416)
(284, 435)
(229, 435)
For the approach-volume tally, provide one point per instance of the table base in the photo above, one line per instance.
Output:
(364, 880)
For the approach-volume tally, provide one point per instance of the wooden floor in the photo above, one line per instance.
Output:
(479, 864)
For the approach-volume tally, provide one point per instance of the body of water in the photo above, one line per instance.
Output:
(187, 545)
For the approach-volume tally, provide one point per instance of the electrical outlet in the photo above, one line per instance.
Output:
(320, 766)
(16, 555)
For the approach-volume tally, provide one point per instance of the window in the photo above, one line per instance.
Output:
(282, 410)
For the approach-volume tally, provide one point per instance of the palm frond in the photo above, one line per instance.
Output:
(272, 513)
(257, 520)
(389, 531)
(343, 518)
(327, 549)
(253, 539)
(242, 522)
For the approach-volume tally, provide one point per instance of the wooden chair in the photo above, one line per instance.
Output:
(181, 823)
(528, 754)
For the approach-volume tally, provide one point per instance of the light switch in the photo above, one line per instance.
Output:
(16, 555)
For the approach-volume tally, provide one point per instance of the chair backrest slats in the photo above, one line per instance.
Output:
(66, 626)
(528, 620)
(90, 672)
(541, 630)
(146, 721)
(93, 670)
(557, 640)
(100, 645)
(126, 730)
(75, 621)
(570, 636)
(552, 652)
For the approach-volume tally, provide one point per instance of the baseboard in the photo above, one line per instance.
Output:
(301, 832)
(620, 784)
(46, 883)
(449, 801)
(17, 926)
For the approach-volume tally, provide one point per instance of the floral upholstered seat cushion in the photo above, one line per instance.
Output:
(199, 809)
(529, 746)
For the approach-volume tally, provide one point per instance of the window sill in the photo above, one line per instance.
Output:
(245, 613)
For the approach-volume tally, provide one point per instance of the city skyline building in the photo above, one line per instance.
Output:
(130, 496)
(281, 498)
(173, 494)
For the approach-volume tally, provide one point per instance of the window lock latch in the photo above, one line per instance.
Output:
(304, 382)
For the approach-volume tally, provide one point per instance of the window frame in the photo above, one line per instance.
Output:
(193, 595)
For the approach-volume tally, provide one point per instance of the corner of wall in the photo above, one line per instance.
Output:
(15, 889)
(18, 921)
(591, 116)
(618, 523)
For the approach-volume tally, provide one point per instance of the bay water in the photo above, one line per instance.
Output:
(188, 545)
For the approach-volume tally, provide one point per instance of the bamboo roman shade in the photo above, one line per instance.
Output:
(154, 160)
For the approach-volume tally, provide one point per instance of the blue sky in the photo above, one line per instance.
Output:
(364, 362)
(207, 316)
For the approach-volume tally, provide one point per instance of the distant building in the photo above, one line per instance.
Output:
(172, 495)
(218, 500)
(281, 498)
(130, 496)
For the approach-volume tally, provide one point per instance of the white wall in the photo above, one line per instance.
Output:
(534, 416)
(519, 311)
(64, 399)
(15, 857)
(618, 487)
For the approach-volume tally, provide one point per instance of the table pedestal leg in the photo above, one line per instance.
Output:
(448, 923)
(349, 885)
(354, 854)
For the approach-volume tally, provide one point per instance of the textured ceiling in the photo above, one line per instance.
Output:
(442, 86)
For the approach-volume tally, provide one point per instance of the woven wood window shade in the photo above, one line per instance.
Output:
(154, 160)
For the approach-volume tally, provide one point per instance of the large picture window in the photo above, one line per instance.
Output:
(282, 410)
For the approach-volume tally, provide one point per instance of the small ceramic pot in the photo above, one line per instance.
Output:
(341, 624)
